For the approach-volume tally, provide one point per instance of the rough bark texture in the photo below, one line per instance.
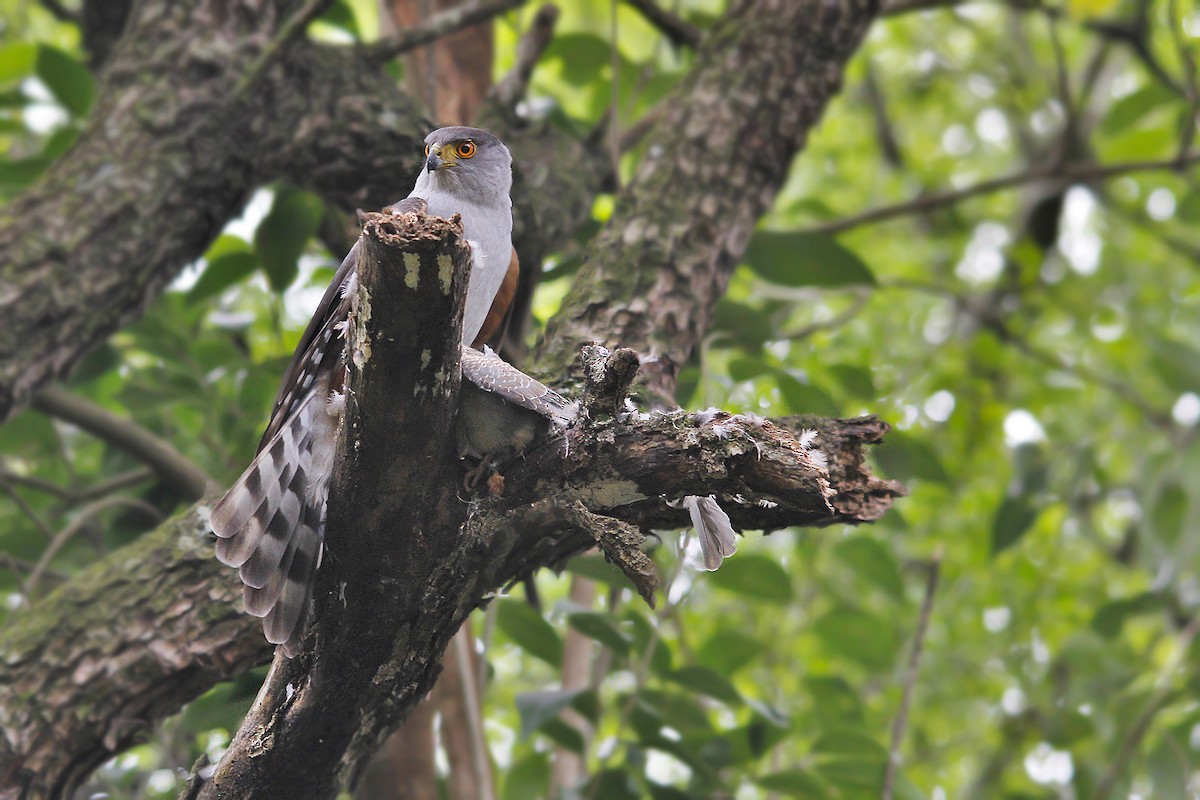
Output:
(124, 643)
(712, 166)
(649, 282)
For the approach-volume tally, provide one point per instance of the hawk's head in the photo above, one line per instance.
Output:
(467, 161)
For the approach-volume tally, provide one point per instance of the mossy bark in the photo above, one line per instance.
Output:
(126, 642)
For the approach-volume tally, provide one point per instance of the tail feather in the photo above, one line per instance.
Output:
(273, 542)
(295, 642)
(271, 523)
(260, 601)
(242, 516)
(282, 623)
(717, 538)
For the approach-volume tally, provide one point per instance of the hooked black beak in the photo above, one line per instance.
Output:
(432, 162)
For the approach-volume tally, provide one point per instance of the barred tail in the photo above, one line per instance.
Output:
(271, 523)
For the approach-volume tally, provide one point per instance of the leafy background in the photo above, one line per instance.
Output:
(1034, 348)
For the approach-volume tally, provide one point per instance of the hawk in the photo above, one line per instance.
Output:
(271, 523)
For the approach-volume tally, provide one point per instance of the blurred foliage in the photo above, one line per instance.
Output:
(1034, 347)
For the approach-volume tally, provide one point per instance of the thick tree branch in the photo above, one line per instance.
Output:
(130, 639)
(402, 578)
(716, 158)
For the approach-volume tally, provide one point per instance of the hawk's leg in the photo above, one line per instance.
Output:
(476, 474)
(486, 468)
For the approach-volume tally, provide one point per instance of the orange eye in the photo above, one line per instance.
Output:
(465, 149)
(426, 149)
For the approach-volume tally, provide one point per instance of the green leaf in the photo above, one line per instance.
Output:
(282, 235)
(644, 638)
(854, 773)
(564, 735)
(1012, 520)
(95, 364)
(873, 560)
(856, 381)
(764, 732)
(857, 635)
(59, 142)
(707, 682)
(804, 397)
(813, 207)
(1110, 618)
(221, 273)
(1169, 512)
(613, 784)
(525, 627)
(17, 62)
(836, 702)
(66, 78)
(904, 457)
(340, 15)
(746, 324)
(1170, 766)
(795, 783)
(1069, 726)
(805, 259)
(744, 368)
(1178, 364)
(727, 651)
(660, 792)
(598, 569)
(581, 57)
(676, 709)
(537, 708)
(601, 628)
(851, 741)
(20, 173)
(528, 778)
(756, 576)
(1134, 107)
(1188, 209)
